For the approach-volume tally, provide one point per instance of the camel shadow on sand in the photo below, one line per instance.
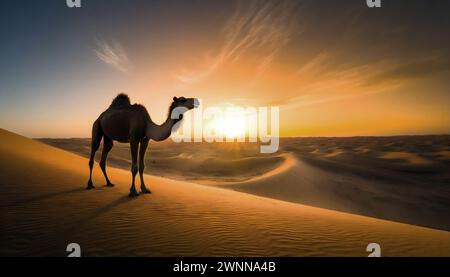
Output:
(62, 233)
(41, 197)
(86, 219)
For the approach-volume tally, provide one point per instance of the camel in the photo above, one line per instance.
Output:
(127, 123)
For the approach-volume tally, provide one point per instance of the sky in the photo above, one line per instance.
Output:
(334, 68)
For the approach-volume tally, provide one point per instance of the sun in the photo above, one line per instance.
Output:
(232, 126)
(227, 121)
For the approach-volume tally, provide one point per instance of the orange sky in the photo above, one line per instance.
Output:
(333, 72)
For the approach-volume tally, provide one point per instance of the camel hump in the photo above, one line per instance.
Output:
(121, 100)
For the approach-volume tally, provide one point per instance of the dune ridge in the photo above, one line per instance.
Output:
(45, 207)
(345, 174)
(288, 162)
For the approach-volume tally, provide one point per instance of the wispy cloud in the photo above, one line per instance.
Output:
(321, 81)
(262, 27)
(341, 64)
(113, 54)
(416, 69)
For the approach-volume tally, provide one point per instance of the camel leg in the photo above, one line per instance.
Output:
(142, 149)
(134, 145)
(107, 146)
(96, 138)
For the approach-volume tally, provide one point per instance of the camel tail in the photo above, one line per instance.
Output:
(97, 133)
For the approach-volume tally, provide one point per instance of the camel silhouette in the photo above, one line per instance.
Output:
(124, 122)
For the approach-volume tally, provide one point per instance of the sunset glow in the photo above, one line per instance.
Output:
(331, 73)
(205, 134)
(232, 126)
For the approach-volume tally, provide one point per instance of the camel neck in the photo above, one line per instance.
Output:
(163, 131)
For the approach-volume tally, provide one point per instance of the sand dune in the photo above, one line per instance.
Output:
(406, 157)
(288, 163)
(382, 196)
(45, 207)
(400, 179)
(345, 174)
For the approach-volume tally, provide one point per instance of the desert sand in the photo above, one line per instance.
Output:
(44, 206)
(399, 178)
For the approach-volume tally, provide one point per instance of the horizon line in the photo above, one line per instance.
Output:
(289, 137)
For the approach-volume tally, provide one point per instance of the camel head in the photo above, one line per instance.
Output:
(188, 103)
(180, 105)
